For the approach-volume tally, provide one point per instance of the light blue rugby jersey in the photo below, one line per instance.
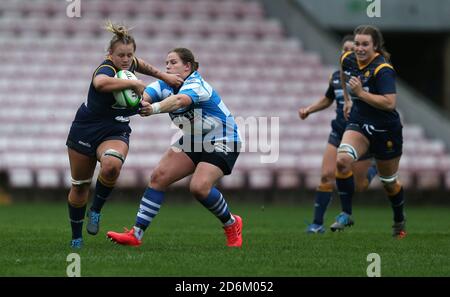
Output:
(207, 116)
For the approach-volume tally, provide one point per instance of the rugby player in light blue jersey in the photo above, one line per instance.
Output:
(208, 148)
(374, 125)
(100, 131)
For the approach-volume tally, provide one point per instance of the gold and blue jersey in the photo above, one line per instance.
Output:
(103, 103)
(377, 77)
(335, 93)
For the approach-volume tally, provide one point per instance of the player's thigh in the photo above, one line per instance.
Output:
(360, 169)
(388, 168)
(206, 175)
(114, 144)
(81, 166)
(173, 166)
(329, 161)
(357, 140)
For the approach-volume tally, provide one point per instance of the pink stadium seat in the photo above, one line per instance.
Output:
(430, 179)
(288, 179)
(48, 178)
(260, 179)
(275, 77)
(237, 180)
(21, 178)
(312, 179)
(130, 178)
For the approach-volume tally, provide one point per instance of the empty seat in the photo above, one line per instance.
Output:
(260, 74)
(261, 179)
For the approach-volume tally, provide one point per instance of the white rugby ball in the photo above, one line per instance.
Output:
(128, 97)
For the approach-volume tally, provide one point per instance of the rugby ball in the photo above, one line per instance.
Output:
(126, 98)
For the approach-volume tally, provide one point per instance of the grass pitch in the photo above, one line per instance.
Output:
(186, 240)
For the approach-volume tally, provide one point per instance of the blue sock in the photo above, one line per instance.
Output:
(149, 207)
(371, 173)
(321, 202)
(101, 194)
(397, 203)
(346, 188)
(76, 215)
(217, 205)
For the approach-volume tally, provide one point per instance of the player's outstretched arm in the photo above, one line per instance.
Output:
(169, 104)
(319, 105)
(146, 68)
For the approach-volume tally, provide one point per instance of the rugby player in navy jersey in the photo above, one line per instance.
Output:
(363, 170)
(374, 125)
(100, 131)
(208, 148)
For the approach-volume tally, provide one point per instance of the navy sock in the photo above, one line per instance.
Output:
(76, 215)
(321, 202)
(101, 194)
(217, 205)
(150, 204)
(397, 203)
(371, 173)
(346, 188)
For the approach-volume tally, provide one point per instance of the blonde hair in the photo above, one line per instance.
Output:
(121, 34)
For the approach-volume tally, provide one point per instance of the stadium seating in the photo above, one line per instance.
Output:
(48, 59)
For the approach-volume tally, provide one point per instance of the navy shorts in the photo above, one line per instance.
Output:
(220, 154)
(337, 130)
(88, 131)
(385, 143)
(335, 138)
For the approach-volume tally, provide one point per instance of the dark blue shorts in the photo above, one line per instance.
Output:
(335, 138)
(221, 154)
(88, 131)
(385, 143)
(337, 130)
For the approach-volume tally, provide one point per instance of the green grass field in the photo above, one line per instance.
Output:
(186, 240)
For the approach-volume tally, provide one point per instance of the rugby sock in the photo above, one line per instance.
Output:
(76, 215)
(321, 201)
(102, 190)
(397, 202)
(218, 206)
(371, 173)
(346, 188)
(148, 209)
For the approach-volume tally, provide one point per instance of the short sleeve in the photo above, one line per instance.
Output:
(345, 60)
(154, 90)
(330, 92)
(196, 91)
(385, 81)
(105, 69)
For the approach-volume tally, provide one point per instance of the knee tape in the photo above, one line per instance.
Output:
(349, 150)
(391, 184)
(114, 153)
(80, 182)
(386, 180)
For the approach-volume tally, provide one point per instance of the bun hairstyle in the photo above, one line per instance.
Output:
(186, 56)
(377, 37)
(121, 34)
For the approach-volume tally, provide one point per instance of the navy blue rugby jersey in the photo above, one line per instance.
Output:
(335, 92)
(377, 77)
(103, 103)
